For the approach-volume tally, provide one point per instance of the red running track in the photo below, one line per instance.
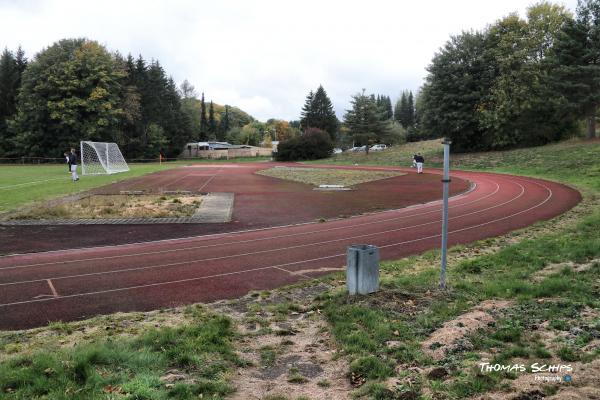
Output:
(75, 284)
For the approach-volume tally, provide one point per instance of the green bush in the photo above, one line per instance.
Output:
(312, 145)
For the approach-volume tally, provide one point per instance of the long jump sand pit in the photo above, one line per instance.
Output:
(258, 202)
(116, 206)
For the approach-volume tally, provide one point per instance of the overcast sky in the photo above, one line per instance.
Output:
(264, 56)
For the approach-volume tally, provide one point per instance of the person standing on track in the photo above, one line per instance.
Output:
(73, 165)
(420, 160)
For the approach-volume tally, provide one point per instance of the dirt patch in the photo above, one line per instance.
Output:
(323, 176)
(304, 364)
(117, 206)
(558, 267)
(451, 335)
(287, 343)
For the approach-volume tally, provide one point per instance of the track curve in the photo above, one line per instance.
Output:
(74, 284)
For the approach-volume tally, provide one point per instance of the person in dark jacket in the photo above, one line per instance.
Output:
(420, 160)
(73, 165)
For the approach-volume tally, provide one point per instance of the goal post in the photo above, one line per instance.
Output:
(98, 158)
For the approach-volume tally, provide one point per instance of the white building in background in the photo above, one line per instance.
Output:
(222, 150)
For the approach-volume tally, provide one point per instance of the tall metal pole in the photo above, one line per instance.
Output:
(446, 184)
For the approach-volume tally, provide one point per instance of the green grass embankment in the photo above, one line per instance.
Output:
(549, 273)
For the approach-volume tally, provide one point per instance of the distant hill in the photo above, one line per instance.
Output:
(237, 117)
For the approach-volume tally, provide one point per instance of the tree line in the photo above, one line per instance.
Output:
(77, 90)
(519, 82)
(371, 118)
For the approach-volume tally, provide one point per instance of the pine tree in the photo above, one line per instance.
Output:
(323, 115)
(203, 120)
(576, 60)
(223, 125)
(410, 110)
(388, 108)
(131, 106)
(8, 84)
(212, 124)
(21, 62)
(364, 120)
(403, 115)
(9, 79)
(307, 114)
(398, 111)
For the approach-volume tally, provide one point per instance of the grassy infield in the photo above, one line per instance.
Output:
(131, 368)
(321, 176)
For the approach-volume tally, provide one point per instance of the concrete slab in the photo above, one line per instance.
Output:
(215, 208)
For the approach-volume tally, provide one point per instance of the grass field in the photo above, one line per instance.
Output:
(544, 279)
(22, 185)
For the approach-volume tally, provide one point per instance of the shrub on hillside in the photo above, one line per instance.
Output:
(312, 145)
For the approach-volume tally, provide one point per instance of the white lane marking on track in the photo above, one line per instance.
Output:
(52, 288)
(209, 180)
(177, 180)
(191, 262)
(550, 193)
(219, 235)
(64, 262)
(278, 267)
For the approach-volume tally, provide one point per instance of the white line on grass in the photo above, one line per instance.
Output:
(30, 183)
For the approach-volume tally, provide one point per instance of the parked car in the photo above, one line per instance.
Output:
(378, 147)
(358, 148)
(337, 150)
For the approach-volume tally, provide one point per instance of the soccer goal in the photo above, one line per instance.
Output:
(99, 158)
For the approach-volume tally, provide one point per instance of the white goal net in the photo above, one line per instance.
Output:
(101, 158)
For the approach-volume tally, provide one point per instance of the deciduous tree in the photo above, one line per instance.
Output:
(69, 93)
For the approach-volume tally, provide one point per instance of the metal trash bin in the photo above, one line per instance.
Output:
(362, 269)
